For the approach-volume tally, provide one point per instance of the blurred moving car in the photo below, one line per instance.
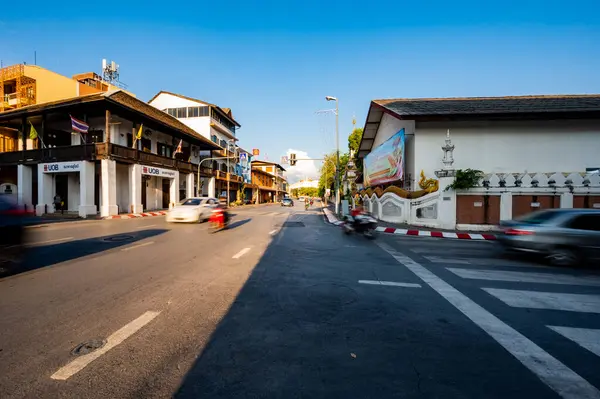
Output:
(287, 202)
(566, 237)
(194, 209)
(12, 234)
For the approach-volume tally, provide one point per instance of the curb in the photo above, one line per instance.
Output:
(136, 215)
(331, 218)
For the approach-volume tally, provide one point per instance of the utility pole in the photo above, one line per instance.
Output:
(337, 152)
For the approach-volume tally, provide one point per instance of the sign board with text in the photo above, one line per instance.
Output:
(61, 167)
(160, 172)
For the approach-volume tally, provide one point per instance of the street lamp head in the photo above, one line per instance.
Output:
(329, 98)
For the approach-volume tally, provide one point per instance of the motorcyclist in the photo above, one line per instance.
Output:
(221, 208)
(355, 214)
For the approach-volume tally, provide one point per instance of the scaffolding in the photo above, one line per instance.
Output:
(22, 88)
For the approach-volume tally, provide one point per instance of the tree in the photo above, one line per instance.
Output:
(354, 140)
(327, 178)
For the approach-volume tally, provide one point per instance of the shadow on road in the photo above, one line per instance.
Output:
(238, 223)
(36, 257)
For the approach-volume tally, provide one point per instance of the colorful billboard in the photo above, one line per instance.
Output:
(385, 163)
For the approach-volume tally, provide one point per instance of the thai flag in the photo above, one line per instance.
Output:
(79, 126)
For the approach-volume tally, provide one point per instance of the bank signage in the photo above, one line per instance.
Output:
(59, 167)
(160, 172)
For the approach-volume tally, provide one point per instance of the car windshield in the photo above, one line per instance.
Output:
(540, 217)
(192, 201)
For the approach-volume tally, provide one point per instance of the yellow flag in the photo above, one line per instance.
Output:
(33, 134)
(139, 133)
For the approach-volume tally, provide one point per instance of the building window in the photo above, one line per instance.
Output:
(214, 138)
(182, 112)
(193, 112)
(203, 111)
(172, 111)
(223, 143)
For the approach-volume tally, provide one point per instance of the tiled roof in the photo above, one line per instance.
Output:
(492, 105)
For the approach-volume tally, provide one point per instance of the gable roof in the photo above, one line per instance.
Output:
(492, 105)
(225, 111)
(534, 106)
(257, 162)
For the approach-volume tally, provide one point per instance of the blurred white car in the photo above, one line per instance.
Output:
(194, 209)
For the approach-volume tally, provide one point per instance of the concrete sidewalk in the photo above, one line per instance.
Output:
(388, 228)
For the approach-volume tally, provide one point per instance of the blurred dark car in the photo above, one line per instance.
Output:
(287, 202)
(12, 234)
(566, 237)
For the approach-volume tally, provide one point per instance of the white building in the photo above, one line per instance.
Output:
(535, 152)
(305, 183)
(216, 124)
(106, 170)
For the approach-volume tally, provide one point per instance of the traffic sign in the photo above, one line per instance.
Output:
(255, 152)
(243, 156)
(284, 160)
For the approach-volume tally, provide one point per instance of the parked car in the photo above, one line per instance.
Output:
(566, 237)
(287, 202)
(194, 209)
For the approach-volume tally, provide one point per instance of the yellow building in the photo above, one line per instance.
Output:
(22, 85)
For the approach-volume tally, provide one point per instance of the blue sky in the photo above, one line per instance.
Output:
(273, 62)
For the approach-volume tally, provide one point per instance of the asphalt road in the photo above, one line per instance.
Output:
(284, 305)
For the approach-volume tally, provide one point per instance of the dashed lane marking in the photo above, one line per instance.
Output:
(113, 340)
(390, 283)
(138, 246)
(241, 253)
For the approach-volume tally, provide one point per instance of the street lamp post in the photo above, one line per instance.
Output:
(337, 152)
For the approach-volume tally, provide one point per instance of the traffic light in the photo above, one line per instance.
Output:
(292, 159)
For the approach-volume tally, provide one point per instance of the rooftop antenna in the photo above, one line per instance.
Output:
(110, 73)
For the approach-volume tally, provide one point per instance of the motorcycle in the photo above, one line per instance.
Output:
(364, 224)
(218, 220)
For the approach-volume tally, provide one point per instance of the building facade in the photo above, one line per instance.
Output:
(217, 125)
(534, 152)
(277, 173)
(132, 158)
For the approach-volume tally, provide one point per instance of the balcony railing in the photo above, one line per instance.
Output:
(224, 176)
(90, 152)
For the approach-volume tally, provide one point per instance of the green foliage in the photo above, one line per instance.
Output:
(465, 179)
(354, 139)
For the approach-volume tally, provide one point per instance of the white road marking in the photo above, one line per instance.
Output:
(439, 259)
(390, 283)
(241, 253)
(51, 241)
(585, 337)
(144, 227)
(138, 246)
(272, 232)
(113, 340)
(564, 381)
(547, 300)
(524, 277)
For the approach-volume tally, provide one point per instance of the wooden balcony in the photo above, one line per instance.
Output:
(91, 152)
(220, 175)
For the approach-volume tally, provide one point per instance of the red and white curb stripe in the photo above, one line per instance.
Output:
(137, 215)
(420, 233)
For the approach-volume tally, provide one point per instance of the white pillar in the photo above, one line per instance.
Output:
(24, 189)
(566, 200)
(87, 189)
(189, 185)
(446, 205)
(212, 182)
(108, 174)
(174, 191)
(45, 192)
(135, 189)
(506, 206)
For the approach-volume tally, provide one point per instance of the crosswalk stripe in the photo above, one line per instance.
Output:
(525, 277)
(547, 300)
(586, 337)
(439, 259)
